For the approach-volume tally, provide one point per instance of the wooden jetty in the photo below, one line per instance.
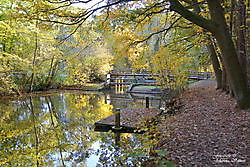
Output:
(128, 119)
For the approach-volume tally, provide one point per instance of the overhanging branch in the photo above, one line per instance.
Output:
(176, 6)
(158, 32)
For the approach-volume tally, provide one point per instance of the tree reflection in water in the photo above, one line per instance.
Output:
(132, 150)
(58, 130)
(51, 130)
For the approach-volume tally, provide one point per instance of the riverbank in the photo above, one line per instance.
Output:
(207, 131)
(94, 87)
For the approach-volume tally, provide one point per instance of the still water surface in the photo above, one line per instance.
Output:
(58, 130)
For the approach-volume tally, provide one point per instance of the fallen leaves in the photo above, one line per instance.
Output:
(208, 124)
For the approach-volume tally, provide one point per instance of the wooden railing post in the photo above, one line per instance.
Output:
(147, 102)
(108, 79)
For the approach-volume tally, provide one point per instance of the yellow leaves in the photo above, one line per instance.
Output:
(127, 53)
(167, 63)
(204, 14)
(227, 16)
(82, 102)
(12, 61)
(90, 108)
(4, 26)
(137, 57)
(85, 68)
(5, 30)
(105, 109)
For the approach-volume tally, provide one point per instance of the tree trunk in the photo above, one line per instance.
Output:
(34, 61)
(247, 21)
(235, 74)
(241, 32)
(49, 77)
(218, 27)
(216, 65)
(224, 84)
(224, 80)
(212, 51)
(232, 16)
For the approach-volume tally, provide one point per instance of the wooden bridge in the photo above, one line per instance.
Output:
(147, 78)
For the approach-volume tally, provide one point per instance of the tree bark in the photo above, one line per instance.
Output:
(235, 74)
(49, 77)
(212, 52)
(34, 61)
(232, 16)
(241, 32)
(216, 65)
(224, 80)
(218, 27)
(224, 84)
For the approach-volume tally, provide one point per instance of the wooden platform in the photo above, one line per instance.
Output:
(131, 118)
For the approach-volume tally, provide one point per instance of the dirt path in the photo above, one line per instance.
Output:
(208, 131)
(203, 83)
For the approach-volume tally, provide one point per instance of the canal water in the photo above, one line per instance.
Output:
(58, 130)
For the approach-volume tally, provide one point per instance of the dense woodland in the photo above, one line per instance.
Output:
(52, 43)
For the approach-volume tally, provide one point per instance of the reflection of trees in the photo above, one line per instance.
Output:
(53, 114)
(49, 131)
(31, 109)
(131, 151)
(86, 111)
(12, 146)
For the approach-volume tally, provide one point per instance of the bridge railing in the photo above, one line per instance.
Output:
(126, 78)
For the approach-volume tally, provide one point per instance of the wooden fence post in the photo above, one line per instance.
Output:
(147, 102)
(108, 79)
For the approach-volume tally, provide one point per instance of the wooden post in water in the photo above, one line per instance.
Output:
(147, 102)
(117, 118)
(117, 139)
(117, 126)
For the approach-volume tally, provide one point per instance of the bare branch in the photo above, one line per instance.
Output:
(64, 1)
(59, 7)
(158, 32)
(86, 14)
(68, 3)
(79, 25)
(106, 18)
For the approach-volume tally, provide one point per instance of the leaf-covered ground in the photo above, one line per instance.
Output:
(208, 131)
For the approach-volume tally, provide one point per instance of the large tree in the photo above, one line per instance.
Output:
(214, 23)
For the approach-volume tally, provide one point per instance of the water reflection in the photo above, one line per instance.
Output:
(123, 100)
(50, 131)
(57, 130)
(132, 150)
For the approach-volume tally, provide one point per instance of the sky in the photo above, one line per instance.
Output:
(89, 4)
